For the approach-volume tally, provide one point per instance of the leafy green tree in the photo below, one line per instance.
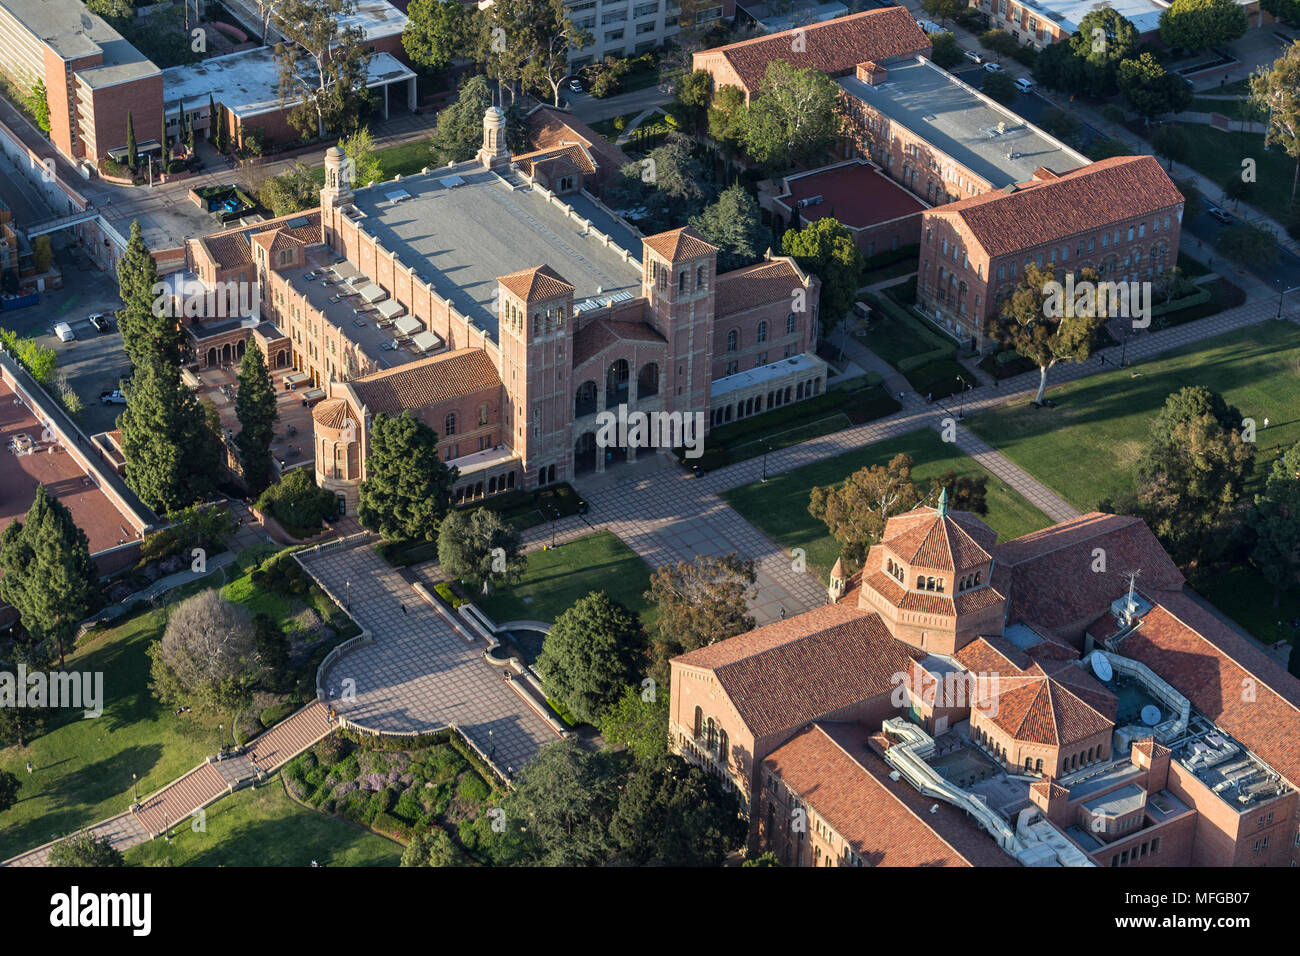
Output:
(694, 94)
(1000, 87)
(436, 33)
(1193, 470)
(1276, 523)
(433, 847)
(1288, 10)
(8, 790)
(1236, 189)
(965, 492)
(1247, 243)
(38, 104)
(271, 645)
(409, 487)
(558, 810)
(943, 10)
(322, 64)
(726, 117)
(1194, 25)
(360, 149)
(766, 859)
(1171, 143)
(944, 49)
(591, 653)
(150, 329)
(290, 192)
(1060, 123)
(1100, 149)
(207, 653)
(476, 546)
(734, 224)
(794, 118)
(855, 512)
(1149, 90)
(86, 849)
(18, 725)
(42, 254)
(40, 361)
(172, 457)
(639, 722)
(1037, 327)
(672, 813)
(1277, 93)
(49, 577)
(700, 603)
(1104, 40)
(459, 132)
(1000, 42)
(1057, 68)
(256, 410)
(827, 248)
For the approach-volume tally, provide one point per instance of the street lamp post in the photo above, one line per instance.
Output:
(767, 446)
(1123, 352)
(961, 410)
(555, 517)
(348, 599)
(135, 787)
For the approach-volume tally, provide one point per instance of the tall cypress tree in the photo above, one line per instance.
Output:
(147, 330)
(48, 574)
(132, 160)
(212, 121)
(255, 408)
(171, 456)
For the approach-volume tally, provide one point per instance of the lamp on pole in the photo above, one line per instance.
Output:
(1123, 352)
(961, 409)
(135, 787)
(767, 446)
(555, 516)
(348, 598)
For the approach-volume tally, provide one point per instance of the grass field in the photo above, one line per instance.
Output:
(554, 579)
(1218, 155)
(263, 827)
(779, 507)
(1087, 447)
(1240, 593)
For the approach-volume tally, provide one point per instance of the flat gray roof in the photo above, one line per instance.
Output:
(378, 18)
(462, 237)
(248, 83)
(72, 31)
(961, 122)
(1118, 802)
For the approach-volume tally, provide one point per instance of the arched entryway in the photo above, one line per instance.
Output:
(584, 401)
(647, 380)
(584, 453)
(616, 384)
(212, 357)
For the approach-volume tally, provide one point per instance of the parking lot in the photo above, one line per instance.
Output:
(94, 361)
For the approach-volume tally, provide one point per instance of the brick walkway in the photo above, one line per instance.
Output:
(420, 673)
(207, 782)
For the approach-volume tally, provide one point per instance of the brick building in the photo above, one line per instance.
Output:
(964, 702)
(835, 48)
(1121, 217)
(508, 317)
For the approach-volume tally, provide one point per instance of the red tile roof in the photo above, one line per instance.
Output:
(1039, 709)
(548, 129)
(834, 47)
(940, 544)
(886, 822)
(678, 244)
(539, 282)
(1048, 574)
(233, 247)
(1225, 678)
(331, 413)
(427, 382)
(786, 674)
(751, 287)
(574, 153)
(594, 337)
(1078, 201)
(858, 194)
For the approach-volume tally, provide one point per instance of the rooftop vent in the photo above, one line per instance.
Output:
(397, 195)
(298, 223)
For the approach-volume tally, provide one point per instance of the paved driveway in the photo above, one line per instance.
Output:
(420, 674)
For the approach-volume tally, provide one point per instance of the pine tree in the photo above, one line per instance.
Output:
(255, 408)
(147, 330)
(408, 488)
(132, 160)
(49, 576)
(171, 454)
(188, 122)
(212, 121)
(219, 139)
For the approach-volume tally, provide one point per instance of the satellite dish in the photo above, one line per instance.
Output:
(1101, 667)
(1150, 715)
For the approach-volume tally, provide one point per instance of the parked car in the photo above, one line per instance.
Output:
(575, 85)
(113, 397)
(64, 332)
(973, 56)
(1025, 85)
(101, 322)
(1222, 215)
(929, 27)
(993, 67)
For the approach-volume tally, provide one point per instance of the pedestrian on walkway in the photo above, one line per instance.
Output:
(403, 607)
(1265, 422)
(29, 766)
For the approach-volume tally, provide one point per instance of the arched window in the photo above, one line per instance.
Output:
(762, 331)
(681, 281)
(647, 380)
(616, 384)
(723, 743)
(733, 340)
(449, 425)
(701, 273)
(920, 583)
(1029, 761)
(709, 733)
(1038, 765)
(789, 324)
(699, 722)
(584, 401)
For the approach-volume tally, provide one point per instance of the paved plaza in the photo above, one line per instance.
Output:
(419, 673)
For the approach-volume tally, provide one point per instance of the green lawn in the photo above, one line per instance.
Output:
(84, 766)
(554, 579)
(1241, 109)
(779, 507)
(1244, 596)
(1218, 155)
(263, 827)
(1087, 447)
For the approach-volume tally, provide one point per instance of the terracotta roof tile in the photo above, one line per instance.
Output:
(233, 247)
(753, 286)
(594, 337)
(678, 244)
(1081, 200)
(786, 674)
(535, 284)
(1037, 708)
(834, 47)
(331, 413)
(574, 153)
(941, 544)
(548, 129)
(427, 382)
(991, 654)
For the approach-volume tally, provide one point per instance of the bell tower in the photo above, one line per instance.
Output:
(335, 196)
(679, 273)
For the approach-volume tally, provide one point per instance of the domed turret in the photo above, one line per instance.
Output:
(494, 151)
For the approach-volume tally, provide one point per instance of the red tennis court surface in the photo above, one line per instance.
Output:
(46, 463)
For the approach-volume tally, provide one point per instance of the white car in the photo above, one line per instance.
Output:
(114, 397)
(993, 67)
(1025, 85)
(973, 56)
(64, 332)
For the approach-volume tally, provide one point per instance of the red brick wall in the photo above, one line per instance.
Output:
(141, 98)
(1225, 837)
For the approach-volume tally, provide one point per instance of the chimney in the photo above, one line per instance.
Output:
(871, 73)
